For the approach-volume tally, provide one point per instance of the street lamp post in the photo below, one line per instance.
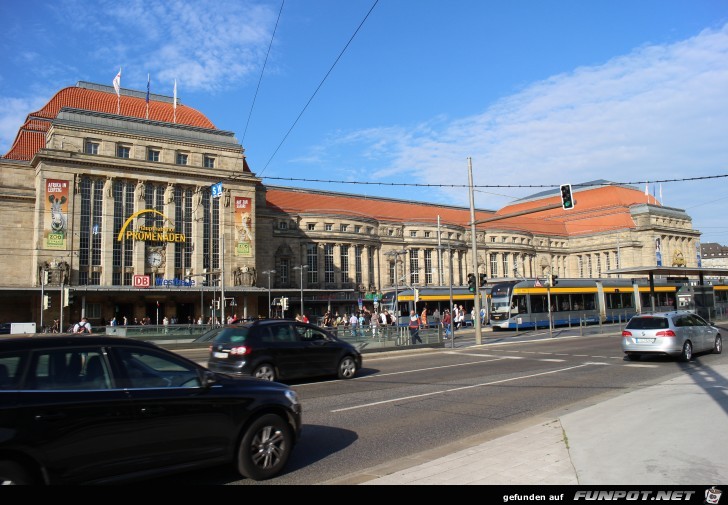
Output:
(301, 268)
(268, 273)
(396, 254)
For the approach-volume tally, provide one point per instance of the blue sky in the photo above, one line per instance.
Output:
(535, 93)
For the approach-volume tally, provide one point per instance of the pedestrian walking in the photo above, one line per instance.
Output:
(414, 328)
(446, 323)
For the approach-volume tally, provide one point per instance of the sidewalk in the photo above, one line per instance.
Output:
(673, 433)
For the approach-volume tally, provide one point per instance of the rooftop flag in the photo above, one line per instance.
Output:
(117, 82)
(117, 88)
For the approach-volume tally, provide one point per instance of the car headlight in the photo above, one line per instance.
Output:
(292, 396)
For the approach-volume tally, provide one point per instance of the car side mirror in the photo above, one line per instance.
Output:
(208, 379)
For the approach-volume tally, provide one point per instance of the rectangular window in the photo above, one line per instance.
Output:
(589, 265)
(91, 147)
(283, 270)
(152, 154)
(344, 257)
(581, 266)
(391, 273)
(123, 151)
(282, 225)
(312, 262)
(329, 227)
(357, 229)
(208, 162)
(428, 264)
(427, 234)
(343, 227)
(181, 159)
(413, 233)
(599, 265)
(357, 264)
(493, 265)
(311, 226)
(505, 265)
(492, 239)
(414, 266)
(329, 263)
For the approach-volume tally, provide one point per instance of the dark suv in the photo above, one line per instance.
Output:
(274, 349)
(96, 409)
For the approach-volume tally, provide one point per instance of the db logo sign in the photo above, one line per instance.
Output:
(141, 281)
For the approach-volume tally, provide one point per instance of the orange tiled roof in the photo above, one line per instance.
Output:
(25, 145)
(292, 200)
(598, 209)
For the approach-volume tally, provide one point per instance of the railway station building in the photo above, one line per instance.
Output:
(112, 208)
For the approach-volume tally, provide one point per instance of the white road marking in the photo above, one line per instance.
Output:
(424, 395)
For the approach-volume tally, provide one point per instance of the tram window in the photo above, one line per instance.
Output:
(538, 304)
(589, 302)
(518, 304)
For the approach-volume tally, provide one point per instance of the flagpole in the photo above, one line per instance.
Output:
(147, 96)
(174, 104)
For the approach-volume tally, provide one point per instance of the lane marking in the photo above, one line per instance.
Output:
(462, 388)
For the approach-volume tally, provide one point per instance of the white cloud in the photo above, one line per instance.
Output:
(660, 112)
(13, 112)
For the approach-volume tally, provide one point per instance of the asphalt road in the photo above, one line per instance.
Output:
(406, 403)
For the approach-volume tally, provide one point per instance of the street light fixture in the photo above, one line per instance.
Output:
(301, 268)
(268, 273)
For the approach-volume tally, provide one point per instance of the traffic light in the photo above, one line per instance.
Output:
(471, 283)
(46, 302)
(554, 280)
(70, 297)
(483, 280)
(284, 303)
(66, 297)
(567, 200)
(417, 295)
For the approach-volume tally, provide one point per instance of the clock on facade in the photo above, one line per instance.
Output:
(155, 258)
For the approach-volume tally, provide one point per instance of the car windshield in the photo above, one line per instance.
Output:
(648, 323)
(232, 335)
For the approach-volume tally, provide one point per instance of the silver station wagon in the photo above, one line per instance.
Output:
(679, 333)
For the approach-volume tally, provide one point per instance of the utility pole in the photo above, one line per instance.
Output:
(476, 298)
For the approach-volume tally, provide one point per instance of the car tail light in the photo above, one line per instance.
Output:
(666, 333)
(240, 350)
(626, 333)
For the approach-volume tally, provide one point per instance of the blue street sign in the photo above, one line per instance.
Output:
(216, 190)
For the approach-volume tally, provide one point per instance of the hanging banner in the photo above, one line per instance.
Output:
(658, 251)
(697, 253)
(244, 227)
(56, 217)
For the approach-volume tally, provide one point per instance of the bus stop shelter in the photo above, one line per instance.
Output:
(674, 272)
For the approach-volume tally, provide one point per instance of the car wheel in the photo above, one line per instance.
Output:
(266, 371)
(12, 474)
(687, 351)
(347, 368)
(265, 448)
(633, 357)
(718, 346)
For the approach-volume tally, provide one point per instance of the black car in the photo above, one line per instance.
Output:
(96, 409)
(274, 349)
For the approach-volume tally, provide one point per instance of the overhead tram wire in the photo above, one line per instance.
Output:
(262, 71)
(319, 86)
